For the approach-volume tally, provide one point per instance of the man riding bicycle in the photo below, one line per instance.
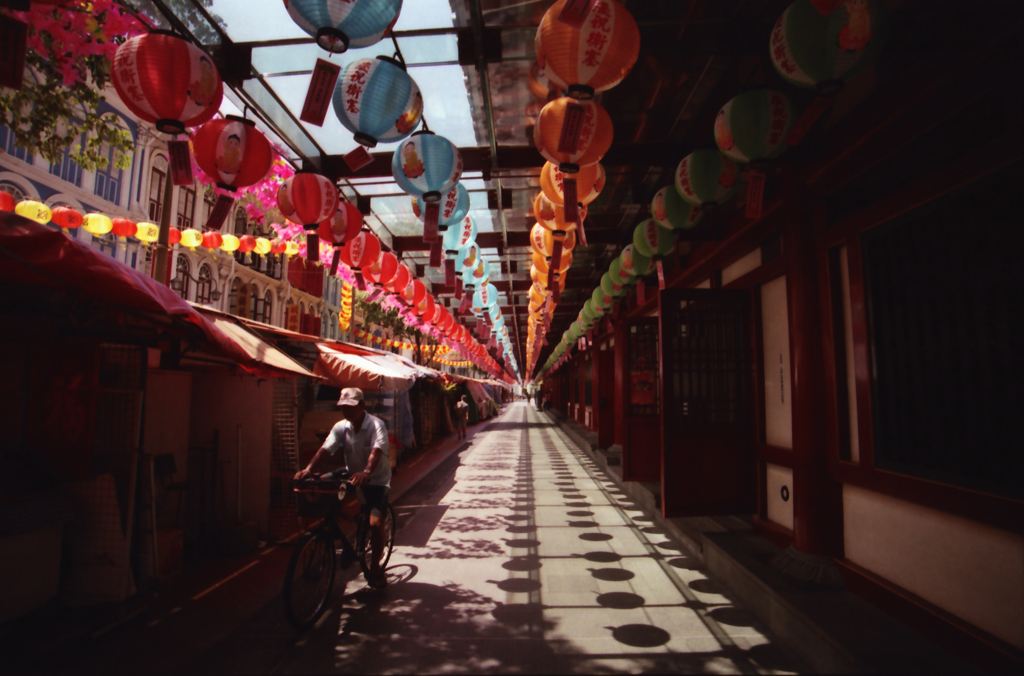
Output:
(364, 438)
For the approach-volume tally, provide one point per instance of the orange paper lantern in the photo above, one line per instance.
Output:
(592, 58)
(589, 183)
(594, 138)
(552, 217)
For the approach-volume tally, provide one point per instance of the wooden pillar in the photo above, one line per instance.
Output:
(817, 498)
(621, 382)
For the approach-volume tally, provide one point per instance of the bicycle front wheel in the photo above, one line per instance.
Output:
(365, 550)
(309, 580)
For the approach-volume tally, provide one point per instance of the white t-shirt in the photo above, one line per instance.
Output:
(358, 446)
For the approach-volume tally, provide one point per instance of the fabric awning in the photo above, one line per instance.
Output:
(362, 370)
(34, 254)
(257, 348)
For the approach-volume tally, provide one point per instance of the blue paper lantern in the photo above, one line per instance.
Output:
(460, 236)
(427, 165)
(340, 24)
(454, 206)
(377, 101)
(467, 259)
(486, 296)
(476, 276)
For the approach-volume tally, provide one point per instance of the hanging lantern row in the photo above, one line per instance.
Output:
(809, 49)
(582, 49)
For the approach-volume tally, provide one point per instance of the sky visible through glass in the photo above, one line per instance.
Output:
(433, 64)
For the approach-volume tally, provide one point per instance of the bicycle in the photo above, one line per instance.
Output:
(309, 578)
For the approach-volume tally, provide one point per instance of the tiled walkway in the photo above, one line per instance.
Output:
(527, 560)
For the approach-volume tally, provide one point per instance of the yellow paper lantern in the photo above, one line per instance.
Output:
(147, 233)
(262, 246)
(97, 224)
(190, 238)
(230, 243)
(36, 211)
(291, 248)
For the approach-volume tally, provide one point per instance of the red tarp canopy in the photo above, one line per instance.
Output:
(34, 254)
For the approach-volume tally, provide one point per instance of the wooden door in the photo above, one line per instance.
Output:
(708, 465)
(640, 401)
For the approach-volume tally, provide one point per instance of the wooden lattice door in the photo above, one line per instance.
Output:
(639, 398)
(707, 463)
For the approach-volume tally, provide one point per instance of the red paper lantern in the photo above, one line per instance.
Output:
(278, 246)
(382, 270)
(343, 226)
(124, 227)
(592, 58)
(361, 251)
(173, 236)
(418, 293)
(212, 240)
(425, 308)
(400, 280)
(7, 201)
(64, 217)
(246, 243)
(309, 199)
(167, 81)
(232, 152)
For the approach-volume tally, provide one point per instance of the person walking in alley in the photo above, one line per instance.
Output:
(461, 413)
(363, 438)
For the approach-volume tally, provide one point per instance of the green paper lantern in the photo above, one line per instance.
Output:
(634, 261)
(642, 265)
(589, 313)
(610, 288)
(672, 212)
(652, 240)
(602, 299)
(573, 332)
(821, 52)
(751, 126)
(621, 278)
(706, 178)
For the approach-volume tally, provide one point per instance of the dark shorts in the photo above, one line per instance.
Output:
(374, 499)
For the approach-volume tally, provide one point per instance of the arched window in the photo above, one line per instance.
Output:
(233, 298)
(186, 206)
(209, 200)
(181, 283)
(206, 286)
(240, 222)
(13, 189)
(156, 188)
(268, 306)
(110, 179)
(255, 303)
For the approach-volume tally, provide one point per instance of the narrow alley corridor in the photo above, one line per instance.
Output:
(517, 556)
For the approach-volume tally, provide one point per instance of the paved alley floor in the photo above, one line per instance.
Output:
(517, 556)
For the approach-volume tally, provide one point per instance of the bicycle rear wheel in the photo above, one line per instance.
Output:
(309, 580)
(365, 551)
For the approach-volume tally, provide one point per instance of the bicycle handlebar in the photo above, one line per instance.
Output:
(317, 483)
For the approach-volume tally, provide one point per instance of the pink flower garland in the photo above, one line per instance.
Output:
(65, 35)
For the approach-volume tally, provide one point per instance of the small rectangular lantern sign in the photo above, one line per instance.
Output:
(357, 159)
(219, 213)
(321, 88)
(572, 125)
(181, 163)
